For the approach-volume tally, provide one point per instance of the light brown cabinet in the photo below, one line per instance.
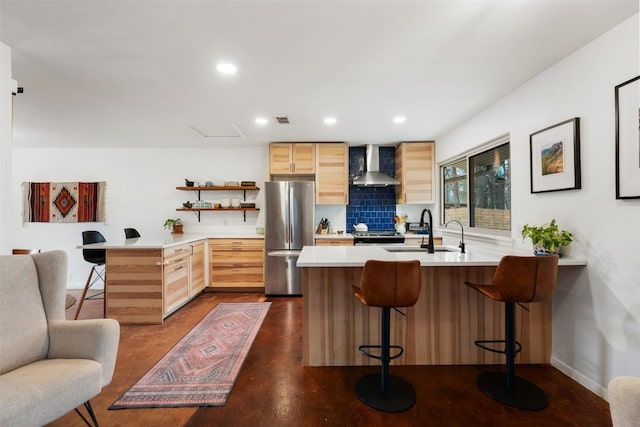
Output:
(334, 242)
(198, 270)
(415, 169)
(292, 158)
(332, 174)
(236, 263)
(176, 275)
(416, 240)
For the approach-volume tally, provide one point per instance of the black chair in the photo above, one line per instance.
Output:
(130, 233)
(517, 280)
(97, 257)
(387, 284)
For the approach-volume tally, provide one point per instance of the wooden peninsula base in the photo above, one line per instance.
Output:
(439, 330)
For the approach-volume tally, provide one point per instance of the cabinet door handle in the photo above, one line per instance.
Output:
(178, 267)
(178, 250)
(179, 260)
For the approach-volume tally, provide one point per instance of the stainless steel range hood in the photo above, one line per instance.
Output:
(373, 177)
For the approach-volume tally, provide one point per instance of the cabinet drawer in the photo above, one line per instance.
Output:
(237, 275)
(176, 285)
(235, 245)
(177, 250)
(334, 242)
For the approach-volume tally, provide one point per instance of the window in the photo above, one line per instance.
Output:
(476, 189)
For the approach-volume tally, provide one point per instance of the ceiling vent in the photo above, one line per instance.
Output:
(218, 131)
(283, 120)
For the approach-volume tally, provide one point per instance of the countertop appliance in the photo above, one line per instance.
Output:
(289, 226)
(384, 237)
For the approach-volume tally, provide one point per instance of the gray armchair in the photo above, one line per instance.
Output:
(48, 365)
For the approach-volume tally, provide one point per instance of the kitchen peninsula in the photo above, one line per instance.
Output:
(439, 330)
(149, 278)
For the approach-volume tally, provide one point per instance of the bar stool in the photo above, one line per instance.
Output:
(387, 284)
(517, 280)
(98, 258)
(130, 233)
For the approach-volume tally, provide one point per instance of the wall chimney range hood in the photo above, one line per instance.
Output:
(373, 177)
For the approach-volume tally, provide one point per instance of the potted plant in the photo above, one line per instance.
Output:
(547, 239)
(175, 225)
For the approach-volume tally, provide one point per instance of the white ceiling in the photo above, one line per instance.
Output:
(141, 73)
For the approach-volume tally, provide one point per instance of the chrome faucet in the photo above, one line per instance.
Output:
(461, 245)
(429, 246)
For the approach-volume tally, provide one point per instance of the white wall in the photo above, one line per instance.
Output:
(141, 192)
(596, 310)
(5, 146)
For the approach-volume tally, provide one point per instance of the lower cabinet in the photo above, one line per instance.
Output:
(416, 240)
(146, 285)
(236, 264)
(334, 242)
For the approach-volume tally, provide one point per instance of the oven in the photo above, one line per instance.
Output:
(380, 238)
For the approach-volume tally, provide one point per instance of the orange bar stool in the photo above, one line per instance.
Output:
(387, 284)
(517, 280)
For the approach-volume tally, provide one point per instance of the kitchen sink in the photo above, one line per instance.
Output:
(415, 249)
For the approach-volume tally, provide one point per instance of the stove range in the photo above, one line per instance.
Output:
(378, 237)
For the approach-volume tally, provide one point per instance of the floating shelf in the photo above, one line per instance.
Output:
(197, 211)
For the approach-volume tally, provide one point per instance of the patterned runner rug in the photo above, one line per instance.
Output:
(202, 367)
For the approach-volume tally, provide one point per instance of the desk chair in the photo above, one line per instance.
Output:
(97, 257)
(130, 233)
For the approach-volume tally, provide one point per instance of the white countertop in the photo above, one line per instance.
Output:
(169, 240)
(356, 256)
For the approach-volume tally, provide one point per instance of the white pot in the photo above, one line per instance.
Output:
(361, 227)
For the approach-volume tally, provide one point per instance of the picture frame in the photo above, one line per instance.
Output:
(627, 97)
(554, 155)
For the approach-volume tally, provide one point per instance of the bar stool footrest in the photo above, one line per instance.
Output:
(363, 350)
(398, 396)
(481, 344)
(522, 394)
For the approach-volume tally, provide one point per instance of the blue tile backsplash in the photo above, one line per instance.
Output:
(375, 206)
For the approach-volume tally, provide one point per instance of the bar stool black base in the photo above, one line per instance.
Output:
(398, 397)
(522, 395)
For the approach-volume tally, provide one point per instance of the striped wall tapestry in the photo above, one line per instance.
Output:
(63, 201)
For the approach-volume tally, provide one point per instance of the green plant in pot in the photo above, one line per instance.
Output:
(175, 225)
(547, 239)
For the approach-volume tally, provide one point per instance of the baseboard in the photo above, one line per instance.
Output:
(581, 379)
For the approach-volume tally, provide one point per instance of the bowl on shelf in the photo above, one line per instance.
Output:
(235, 203)
(225, 203)
(232, 183)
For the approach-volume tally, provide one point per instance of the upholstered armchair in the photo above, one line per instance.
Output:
(48, 365)
(624, 401)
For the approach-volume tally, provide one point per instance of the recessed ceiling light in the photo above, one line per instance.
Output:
(330, 121)
(399, 119)
(226, 68)
(261, 121)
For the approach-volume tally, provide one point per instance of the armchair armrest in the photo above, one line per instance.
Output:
(95, 339)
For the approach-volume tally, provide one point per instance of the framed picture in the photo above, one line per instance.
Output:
(555, 157)
(628, 139)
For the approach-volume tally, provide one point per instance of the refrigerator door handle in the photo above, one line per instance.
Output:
(283, 253)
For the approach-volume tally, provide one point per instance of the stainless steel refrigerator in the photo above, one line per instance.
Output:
(288, 227)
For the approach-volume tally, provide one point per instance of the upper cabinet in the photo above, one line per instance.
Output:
(292, 158)
(332, 173)
(415, 169)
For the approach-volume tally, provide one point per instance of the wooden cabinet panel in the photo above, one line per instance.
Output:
(415, 169)
(176, 285)
(134, 285)
(304, 160)
(292, 158)
(332, 174)
(198, 258)
(236, 263)
(416, 240)
(334, 242)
